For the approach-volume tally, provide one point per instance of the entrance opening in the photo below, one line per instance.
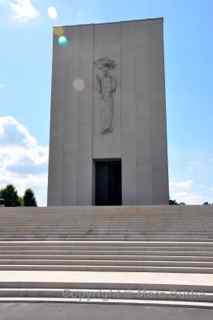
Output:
(108, 190)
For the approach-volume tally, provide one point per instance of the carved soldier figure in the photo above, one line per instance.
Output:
(106, 86)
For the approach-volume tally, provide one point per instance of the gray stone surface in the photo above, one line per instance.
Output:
(153, 262)
(55, 311)
(135, 106)
(108, 239)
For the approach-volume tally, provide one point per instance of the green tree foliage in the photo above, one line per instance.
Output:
(10, 196)
(175, 203)
(29, 199)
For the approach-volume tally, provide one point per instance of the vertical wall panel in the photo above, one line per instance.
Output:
(58, 102)
(143, 124)
(71, 119)
(107, 44)
(128, 115)
(158, 115)
(85, 127)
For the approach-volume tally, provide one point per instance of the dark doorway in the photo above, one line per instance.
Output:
(108, 183)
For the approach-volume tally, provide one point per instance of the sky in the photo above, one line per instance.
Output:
(25, 86)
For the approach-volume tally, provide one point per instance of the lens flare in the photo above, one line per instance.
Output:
(58, 31)
(78, 84)
(63, 41)
(52, 12)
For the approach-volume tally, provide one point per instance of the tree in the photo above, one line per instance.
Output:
(10, 196)
(173, 203)
(29, 199)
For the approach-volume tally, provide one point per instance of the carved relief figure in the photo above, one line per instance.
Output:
(106, 86)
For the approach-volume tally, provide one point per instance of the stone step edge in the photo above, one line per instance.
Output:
(162, 303)
(107, 257)
(104, 268)
(102, 293)
(202, 254)
(122, 286)
(108, 263)
(105, 241)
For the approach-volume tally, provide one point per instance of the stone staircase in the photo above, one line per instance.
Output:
(159, 223)
(143, 256)
(116, 242)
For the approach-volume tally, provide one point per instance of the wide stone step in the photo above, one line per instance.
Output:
(104, 224)
(98, 233)
(107, 295)
(104, 248)
(84, 236)
(118, 268)
(104, 262)
(96, 229)
(106, 237)
(115, 247)
(107, 252)
(108, 229)
(105, 243)
(107, 257)
(118, 228)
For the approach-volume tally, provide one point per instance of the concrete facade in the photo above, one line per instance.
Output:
(138, 133)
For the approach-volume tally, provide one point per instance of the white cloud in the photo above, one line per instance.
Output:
(182, 191)
(23, 161)
(14, 133)
(52, 12)
(181, 185)
(188, 197)
(23, 10)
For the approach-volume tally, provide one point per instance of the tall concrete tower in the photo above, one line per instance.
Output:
(108, 143)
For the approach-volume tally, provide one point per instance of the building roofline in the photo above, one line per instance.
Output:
(111, 22)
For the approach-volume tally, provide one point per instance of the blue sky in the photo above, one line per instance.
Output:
(25, 80)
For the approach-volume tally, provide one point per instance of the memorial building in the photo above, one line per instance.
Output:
(108, 142)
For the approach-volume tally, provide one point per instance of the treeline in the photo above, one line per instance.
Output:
(175, 203)
(9, 197)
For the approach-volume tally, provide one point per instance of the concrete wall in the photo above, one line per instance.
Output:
(139, 135)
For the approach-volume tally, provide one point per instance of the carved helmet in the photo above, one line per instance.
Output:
(105, 62)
